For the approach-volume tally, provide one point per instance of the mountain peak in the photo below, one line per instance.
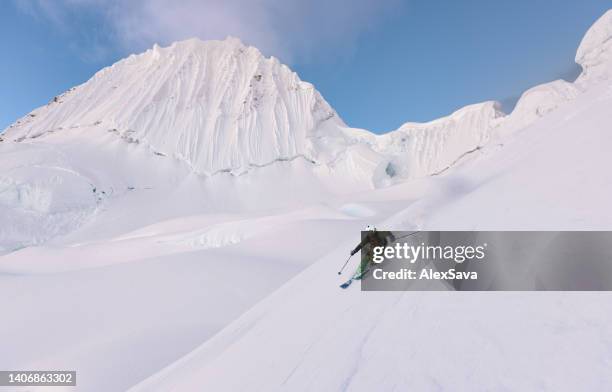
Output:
(197, 43)
(220, 106)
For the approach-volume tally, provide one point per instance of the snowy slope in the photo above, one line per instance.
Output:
(311, 336)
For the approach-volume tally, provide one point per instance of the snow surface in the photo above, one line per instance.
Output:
(595, 51)
(158, 229)
(424, 149)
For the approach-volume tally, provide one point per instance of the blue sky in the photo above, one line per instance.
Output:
(379, 63)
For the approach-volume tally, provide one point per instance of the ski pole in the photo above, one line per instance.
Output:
(345, 263)
(407, 235)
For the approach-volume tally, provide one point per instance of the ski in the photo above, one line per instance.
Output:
(347, 283)
(350, 281)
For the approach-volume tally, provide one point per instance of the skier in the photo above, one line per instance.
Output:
(372, 239)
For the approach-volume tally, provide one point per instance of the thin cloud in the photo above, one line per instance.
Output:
(294, 30)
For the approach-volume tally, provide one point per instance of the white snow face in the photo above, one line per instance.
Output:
(217, 105)
(421, 149)
(595, 51)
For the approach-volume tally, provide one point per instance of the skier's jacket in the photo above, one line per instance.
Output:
(373, 239)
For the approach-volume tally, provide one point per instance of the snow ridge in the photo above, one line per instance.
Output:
(421, 149)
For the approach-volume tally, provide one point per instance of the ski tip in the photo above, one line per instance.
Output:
(346, 284)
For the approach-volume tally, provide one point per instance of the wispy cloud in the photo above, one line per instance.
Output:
(294, 30)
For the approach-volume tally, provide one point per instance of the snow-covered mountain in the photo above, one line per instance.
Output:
(188, 207)
(222, 107)
(218, 105)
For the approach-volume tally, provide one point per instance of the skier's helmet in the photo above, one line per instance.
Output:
(370, 228)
